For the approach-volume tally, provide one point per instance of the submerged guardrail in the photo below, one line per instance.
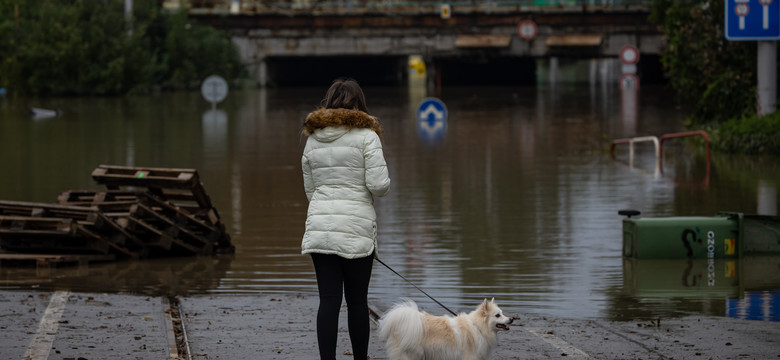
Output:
(659, 145)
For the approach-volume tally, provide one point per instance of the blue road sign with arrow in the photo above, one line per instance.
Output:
(431, 119)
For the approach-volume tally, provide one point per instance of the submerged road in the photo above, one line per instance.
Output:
(66, 325)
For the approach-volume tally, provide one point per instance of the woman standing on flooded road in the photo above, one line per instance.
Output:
(343, 169)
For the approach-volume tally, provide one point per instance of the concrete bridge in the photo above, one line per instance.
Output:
(292, 42)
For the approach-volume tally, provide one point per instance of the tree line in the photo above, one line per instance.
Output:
(86, 47)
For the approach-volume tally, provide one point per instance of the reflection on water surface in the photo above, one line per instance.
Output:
(517, 200)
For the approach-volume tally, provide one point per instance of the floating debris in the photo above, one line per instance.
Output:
(38, 113)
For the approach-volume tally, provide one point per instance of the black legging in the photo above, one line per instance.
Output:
(337, 275)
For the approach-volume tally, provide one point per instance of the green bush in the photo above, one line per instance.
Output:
(750, 135)
(85, 47)
(729, 95)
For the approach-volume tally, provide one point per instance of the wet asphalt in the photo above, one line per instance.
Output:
(65, 325)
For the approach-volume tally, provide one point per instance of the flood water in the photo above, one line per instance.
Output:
(516, 199)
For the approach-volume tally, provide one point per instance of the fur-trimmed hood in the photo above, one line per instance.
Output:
(351, 119)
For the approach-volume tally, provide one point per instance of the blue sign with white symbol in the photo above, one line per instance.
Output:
(752, 20)
(431, 119)
(755, 305)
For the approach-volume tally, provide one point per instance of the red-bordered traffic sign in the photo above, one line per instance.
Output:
(629, 55)
(742, 9)
(629, 82)
(527, 29)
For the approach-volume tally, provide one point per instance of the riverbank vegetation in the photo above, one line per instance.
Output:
(85, 47)
(716, 77)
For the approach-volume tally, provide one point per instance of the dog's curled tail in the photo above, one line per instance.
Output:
(403, 325)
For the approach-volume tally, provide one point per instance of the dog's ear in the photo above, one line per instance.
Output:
(493, 301)
(485, 306)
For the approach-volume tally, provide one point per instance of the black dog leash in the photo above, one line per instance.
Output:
(415, 286)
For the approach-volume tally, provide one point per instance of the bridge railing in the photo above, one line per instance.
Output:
(401, 6)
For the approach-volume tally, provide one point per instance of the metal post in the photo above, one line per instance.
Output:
(129, 15)
(767, 198)
(767, 77)
(431, 71)
(553, 75)
(262, 73)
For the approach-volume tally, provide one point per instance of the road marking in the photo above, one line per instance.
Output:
(561, 345)
(40, 346)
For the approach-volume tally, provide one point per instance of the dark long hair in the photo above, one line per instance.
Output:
(345, 93)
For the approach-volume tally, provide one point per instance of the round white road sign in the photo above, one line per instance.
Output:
(214, 89)
(527, 30)
(629, 55)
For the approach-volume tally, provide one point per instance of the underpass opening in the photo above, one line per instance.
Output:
(322, 70)
(495, 71)
(650, 70)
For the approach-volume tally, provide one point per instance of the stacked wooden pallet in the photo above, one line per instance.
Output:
(50, 228)
(143, 212)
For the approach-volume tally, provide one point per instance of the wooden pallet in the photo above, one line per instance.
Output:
(94, 197)
(160, 223)
(195, 224)
(43, 227)
(184, 240)
(15, 226)
(116, 176)
(158, 243)
(107, 201)
(32, 209)
(176, 185)
(180, 189)
(120, 241)
(143, 212)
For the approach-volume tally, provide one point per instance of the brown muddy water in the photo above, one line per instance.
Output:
(517, 199)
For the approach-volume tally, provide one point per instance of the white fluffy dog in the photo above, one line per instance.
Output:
(413, 335)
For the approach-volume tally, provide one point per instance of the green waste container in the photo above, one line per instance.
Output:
(692, 237)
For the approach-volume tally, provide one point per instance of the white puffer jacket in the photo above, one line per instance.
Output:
(343, 168)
